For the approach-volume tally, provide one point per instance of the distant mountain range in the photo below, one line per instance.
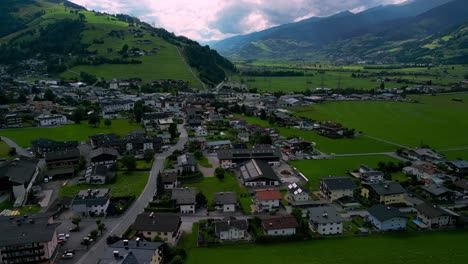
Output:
(423, 31)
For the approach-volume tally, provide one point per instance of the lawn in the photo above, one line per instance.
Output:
(328, 145)
(131, 184)
(81, 132)
(316, 169)
(4, 148)
(27, 209)
(229, 184)
(429, 248)
(203, 161)
(457, 154)
(436, 120)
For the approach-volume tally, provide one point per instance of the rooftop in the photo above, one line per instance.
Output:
(264, 195)
(149, 221)
(387, 188)
(279, 222)
(385, 212)
(184, 195)
(339, 183)
(224, 198)
(257, 169)
(27, 229)
(324, 214)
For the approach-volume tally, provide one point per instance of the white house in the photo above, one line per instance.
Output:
(51, 120)
(91, 202)
(334, 188)
(201, 131)
(225, 201)
(386, 218)
(297, 194)
(434, 216)
(325, 220)
(279, 225)
(185, 199)
(231, 229)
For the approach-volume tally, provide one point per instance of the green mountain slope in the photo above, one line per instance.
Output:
(71, 40)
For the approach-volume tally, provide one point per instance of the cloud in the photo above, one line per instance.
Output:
(206, 20)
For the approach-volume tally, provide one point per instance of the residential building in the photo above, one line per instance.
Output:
(279, 225)
(424, 154)
(384, 192)
(225, 201)
(185, 199)
(257, 173)
(325, 220)
(91, 202)
(297, 194)
(244, 137)
(186, 163)
(370, 175)
(435, 216)
(462, 186)
(267, 200)
(105, 140)
(134, 252)
(334, 188)
(13, 121)
(438, 192)
(164, 226)
(51, 120)
(99, 174)
(460, 167)
(103, 156)
(112, 107)
(231, 229)
(42, 145)
(17, 178)
(169, 179)
(425, 172)
(230, 158)
(28, 239)
(386, 218)
(62, 159)
(201, 131)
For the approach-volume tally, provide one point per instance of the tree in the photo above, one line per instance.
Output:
(94, 234)
(382, 85)
(76, 221)
(201, 199)
(107, 122)
(193, 145)
(159, 185)
(12, 152)
(129, 162)
(263, 114)
(124, 49)
(49, 95)
(297, 213)
(173, 130)
(220, 173)
(78, 114)
(148, 155)
(198, 154)
(138, 111)
(94, 119)
(86, 242)
(100, 226)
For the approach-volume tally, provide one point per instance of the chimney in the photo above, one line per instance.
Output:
(125, 242)
(137, 241)
(116, 254)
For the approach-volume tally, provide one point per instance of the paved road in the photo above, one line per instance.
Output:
(390, 154)
(21, 151)
(97, 250)
(386, 141)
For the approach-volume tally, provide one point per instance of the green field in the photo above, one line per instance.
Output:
(81, 132)
(340, 166)
(328, 145)
(457, 154)
(4, 148)
(436, 120)
(131, 184)
(229, 184)
(429, 248)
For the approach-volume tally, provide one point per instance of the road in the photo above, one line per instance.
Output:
(21, 151)
(386, 141)
(97, 250)
(390, 154)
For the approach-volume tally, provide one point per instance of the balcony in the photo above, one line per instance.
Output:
(22, 249)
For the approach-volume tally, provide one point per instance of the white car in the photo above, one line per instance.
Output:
(68, 255)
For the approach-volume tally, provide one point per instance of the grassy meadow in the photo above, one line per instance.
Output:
(81, 132)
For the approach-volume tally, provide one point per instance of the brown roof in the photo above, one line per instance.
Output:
(263, 195)
(279, 222)
(463, 184)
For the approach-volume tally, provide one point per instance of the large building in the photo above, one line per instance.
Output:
(62, 159)
(230, 158)
(325, 220)
(28, 239)
(334, 188)
(258, 173)
(384, 192)
(42, 145)
(133, 252)
(164, 226)
(51, 120)
(434, 216)
(91, 202)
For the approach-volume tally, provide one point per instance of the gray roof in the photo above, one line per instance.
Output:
(132, 253)
(324, 214)
(385, 212)
(149, 221)
(19, 170)
(221, 198)
(431, 210)
(184, 195)
(230, 222)
(255, 170)
(96, 152)
(387, 188)
(186, 159)
(169, 176)
(62, 155)
(435, 189)
(339, 183)
(20, 230)
(459, 164)
(92, 196)
(258, 152)
(462, 183)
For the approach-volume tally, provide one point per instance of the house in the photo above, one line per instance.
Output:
(370, 175)
(279, 225)
(438, 192)
(267, 200)
(231, 228)
(225, 201)
(105, 140)
(91, 202)
(151, 120)
(139, 142)
(244, 137)
(434, 216)
(257, 173)
(41, 146)
(114, 106)
(201, 131)
(99, 174)
(334, 188)
(386, 218)
(230, 158)
(17, 178)
(298, 145)
(164, 123)
(185, 199)
(384, 192)
(219, 144)
(461, 186)
(62, 159)
(164, 226)
(325, 220)
(297, 194)
(424, 154)
(169, 179)
(28, 239)
(104, 156)
(13, 121)
(51, 120)
(460, 167)
(425, 172)
(133, 251)
(186, 163)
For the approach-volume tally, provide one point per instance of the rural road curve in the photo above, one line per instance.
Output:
(21, 151)
(97, 250)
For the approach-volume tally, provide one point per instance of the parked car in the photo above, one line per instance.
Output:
(68, 255)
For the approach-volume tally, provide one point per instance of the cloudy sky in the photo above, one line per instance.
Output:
(206, 20)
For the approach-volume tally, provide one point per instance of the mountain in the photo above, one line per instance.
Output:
(331, 38)
(67, 41)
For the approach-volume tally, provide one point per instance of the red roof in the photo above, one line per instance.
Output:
(263, 195)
